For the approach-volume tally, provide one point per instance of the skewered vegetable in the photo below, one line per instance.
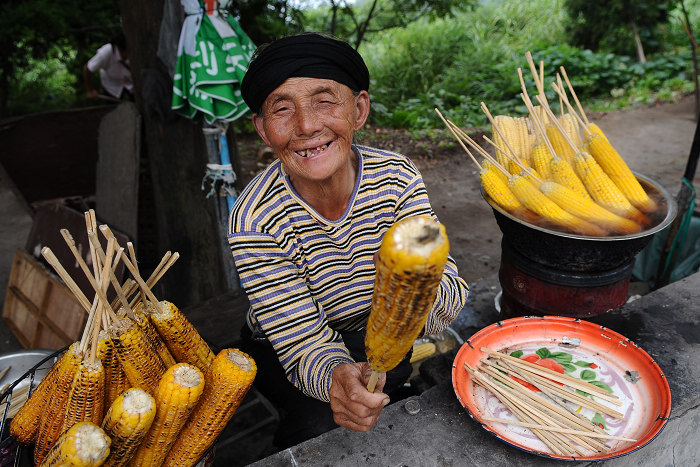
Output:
(564, 174)
(561, 147)
(618, 171)
(143, 319)
(86, 396)
(410, 263)
(533, 199)
(177, 394)
(498, 190)
(541, 160)
(142, 364)
(228, 380)
(127, 422)
(180, 336)
(83, 445)
(116, 381)
(587, 209)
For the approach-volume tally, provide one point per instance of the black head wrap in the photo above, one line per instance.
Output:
(308, 55)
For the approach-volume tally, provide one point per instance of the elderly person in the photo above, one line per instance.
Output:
(304, 233)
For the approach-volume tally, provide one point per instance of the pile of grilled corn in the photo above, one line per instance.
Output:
(140, 388)
(562, 172)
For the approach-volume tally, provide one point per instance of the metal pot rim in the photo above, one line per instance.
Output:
(671, 213)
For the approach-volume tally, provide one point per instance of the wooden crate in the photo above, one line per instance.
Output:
(39, 309)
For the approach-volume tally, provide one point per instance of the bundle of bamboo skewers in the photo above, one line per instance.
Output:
(558, 171)
(553, 413)
(141, 387)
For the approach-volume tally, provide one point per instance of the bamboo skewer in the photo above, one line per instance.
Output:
(112, 277)
(561, 430)
(497, 130)
(538, 83)
(514, 159)
(139, 280)
(63, 274)
(459, 140)
(573, 94)
(559, 90)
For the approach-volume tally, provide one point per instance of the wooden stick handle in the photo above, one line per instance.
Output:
(557, 429)
(374, 377)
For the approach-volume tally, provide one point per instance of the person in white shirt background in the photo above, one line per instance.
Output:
(112, 61)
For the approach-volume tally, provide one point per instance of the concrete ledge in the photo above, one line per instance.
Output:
(665, 323)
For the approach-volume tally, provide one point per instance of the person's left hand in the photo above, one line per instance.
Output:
(353, 406)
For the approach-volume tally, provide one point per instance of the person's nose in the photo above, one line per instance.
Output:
(308, 121)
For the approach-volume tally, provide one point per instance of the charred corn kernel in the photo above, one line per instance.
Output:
(604, 191)
(103, 345)
(564, 174)
(86, 397)
(595, 129)
(83, 445)
(127, 422)
(142, 364)
(541, 157)
(177, 394)
(411, 259)
(116, 381)
(24, 426)
(485, 164)
(228, 380)
(498, 190)
(612, 164)
(571, 128)
(422, 351)
(144, 321)
(587, 209)
(183, 340)
(536, 201)
(54, 407)
(559, 144)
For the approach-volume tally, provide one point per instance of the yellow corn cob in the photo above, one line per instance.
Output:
(83, 445)
(523, 146)
(183, 340)
(177, 394)
(103, 345)
(86, 397)
(227, 382)
(116, 381)
(498, 190)
(411, 259)
(24, 427)
(587, 209)
(561, 147)
(142, 364)
(503, 122)
(612, 163)
(604, 191)
(54, 408)
(564, 174)
(571, 128)
(422, 351)
(595, 129)
(143, 319)
(532, 175)
(536, 201)
(486, 164)
(127, 422)
(541, 157)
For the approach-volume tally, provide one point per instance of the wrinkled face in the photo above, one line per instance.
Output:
(309, 123)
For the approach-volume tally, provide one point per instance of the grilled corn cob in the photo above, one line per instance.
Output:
(227, 382)
(144, 321)
(587, 209)
(142, 364)
(177, 394)
(604, 191)
(86, 396)
(54, 406)
(612, 163)
(127, 422)
(116, 381)
(564, 174)
(536, 201)
(24, 427)
(422, 351)
(181, 337)
(83, 445)
(410, 263)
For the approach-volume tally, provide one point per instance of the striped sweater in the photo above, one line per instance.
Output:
(308, 277)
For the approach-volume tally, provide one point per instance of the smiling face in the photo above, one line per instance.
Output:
(310, 123)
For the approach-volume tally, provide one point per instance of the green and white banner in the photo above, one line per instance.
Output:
(213, 56)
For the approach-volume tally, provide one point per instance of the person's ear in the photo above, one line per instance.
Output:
(362, 106)
(259, 125)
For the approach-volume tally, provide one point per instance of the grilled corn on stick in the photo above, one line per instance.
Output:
(24, 427)
(142, 314)
(177, 394)
(183, 340)
(142, 364)
(228, 380)
(86, 396)
(410, 263)
(84, 445)
(127, 422)
(116, 380)
(422, 351)
(587, 209)
(533, 199)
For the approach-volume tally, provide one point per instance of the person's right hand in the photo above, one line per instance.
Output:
(353, 406)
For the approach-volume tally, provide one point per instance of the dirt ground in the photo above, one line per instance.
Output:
(654, 140)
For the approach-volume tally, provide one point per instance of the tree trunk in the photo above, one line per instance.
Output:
(185, 220)
(641, 57)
